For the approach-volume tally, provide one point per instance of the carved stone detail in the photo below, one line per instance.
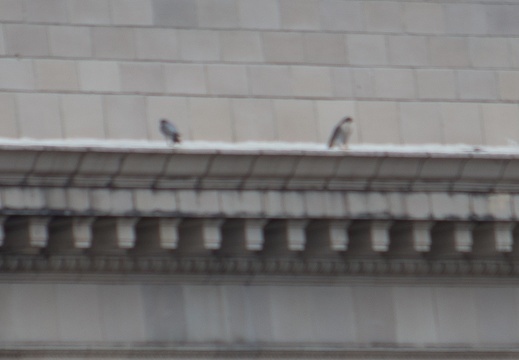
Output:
(369, 236)
(410, 238)
(247, 266)
(327, 236)
(70, 234)
(492, 238)
(243, 235)
(113, 235)
(154, 235)
(282, 236)
(27, 234)
(452, 238)
(237, 246)
(200, 235)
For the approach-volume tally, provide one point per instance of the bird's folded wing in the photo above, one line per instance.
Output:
(335, 134)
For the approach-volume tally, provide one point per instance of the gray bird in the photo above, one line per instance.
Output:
(341, 133)
(169, 131)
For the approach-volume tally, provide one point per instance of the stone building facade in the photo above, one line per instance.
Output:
(115, 246)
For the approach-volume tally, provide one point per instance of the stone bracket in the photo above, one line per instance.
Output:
(157, 234)
(200, 235)
(327, 236)
(411, 237)
(26, 234)
(285, 235)
(113, 234)
(452, 238)
(69, 234)
(243, 235)
(494, 237)
(370, 236)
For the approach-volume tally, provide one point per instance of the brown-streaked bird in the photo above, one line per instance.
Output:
(341, 133)
(169, 131)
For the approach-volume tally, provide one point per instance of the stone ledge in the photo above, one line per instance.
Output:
(258, 169)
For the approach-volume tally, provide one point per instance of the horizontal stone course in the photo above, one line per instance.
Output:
(259, 81)
(241, 45)
(448, 122)
(295, 204)
(123, 313)
(332, 15)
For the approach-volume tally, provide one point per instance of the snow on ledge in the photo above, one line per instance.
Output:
(283, 147)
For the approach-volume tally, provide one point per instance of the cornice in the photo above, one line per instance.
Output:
(258, 169)
(96, 202)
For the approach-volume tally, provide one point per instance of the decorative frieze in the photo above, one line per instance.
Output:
(95, 265)
(216, 238)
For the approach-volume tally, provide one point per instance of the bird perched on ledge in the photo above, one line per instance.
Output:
(341, 133)
(169, 131)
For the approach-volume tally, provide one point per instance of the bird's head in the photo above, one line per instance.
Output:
(163, 121)
(347, 120)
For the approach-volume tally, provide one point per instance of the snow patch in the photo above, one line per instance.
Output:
(135, 145)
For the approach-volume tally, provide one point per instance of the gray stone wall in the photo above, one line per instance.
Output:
(410, 72)
(350, 314)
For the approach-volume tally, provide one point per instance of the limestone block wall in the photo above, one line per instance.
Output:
(347, 314)
(410, 72)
